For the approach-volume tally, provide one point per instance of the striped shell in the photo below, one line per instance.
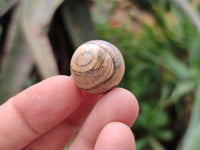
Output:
(97, 66)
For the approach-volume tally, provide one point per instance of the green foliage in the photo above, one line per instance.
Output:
(143, 78)
(162, 69)
(191, 138)
(2, 3)
(162, 64)
(134, 65)
(153, 121)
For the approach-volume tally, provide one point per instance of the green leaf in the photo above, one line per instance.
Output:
(141, 143)
(194, 52)
(191, 139)
(164, 135)
(192, 135)
(161, 119)
(165, 91)
(195, 115)
(155, 144)
(181, 89)
(175, 66)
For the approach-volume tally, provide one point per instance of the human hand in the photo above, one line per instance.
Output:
(47, 115)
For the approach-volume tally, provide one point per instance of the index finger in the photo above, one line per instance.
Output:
(37, 110)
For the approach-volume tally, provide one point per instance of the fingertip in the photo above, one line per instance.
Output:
(134, 104)
(117, 105)
(130, 100)
(115, 136)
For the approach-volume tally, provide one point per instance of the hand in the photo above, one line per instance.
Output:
(47, 115)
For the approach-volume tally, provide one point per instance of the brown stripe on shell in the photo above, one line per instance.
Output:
(76, 55)
(99, 61)
(111, 49)
(92, 71)
(99, 84)
(81, 55)
(104, 81)
(88, 90)
(95, 78)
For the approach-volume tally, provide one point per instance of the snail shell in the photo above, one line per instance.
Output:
(97, 66)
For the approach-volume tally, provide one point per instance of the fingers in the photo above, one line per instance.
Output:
(57, 138)
(117, 105)
(41, 108)
(115, 136)
(37, 110)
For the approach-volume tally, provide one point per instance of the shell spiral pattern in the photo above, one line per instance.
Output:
(97, 66)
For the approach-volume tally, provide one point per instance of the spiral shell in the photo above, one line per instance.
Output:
(97, 66)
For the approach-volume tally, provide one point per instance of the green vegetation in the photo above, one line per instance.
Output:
(162, 70)
(159, 40)
(2, 3)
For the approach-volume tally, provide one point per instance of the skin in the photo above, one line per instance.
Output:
(48, 114)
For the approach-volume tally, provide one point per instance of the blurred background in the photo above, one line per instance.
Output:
(160, 42)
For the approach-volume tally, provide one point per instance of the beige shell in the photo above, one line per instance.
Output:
(97, 66)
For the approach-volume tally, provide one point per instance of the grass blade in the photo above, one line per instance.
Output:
(17, 62)
(36, 15)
